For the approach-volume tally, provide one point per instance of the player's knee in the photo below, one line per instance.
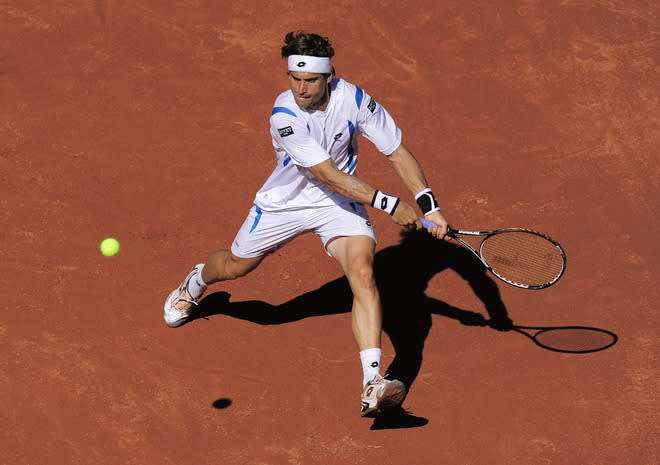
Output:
(361, 276)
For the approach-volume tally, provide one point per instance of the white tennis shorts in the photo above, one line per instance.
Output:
(264, 232)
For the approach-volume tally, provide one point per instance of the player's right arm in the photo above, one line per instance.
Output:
(290, 133)
(354, 188)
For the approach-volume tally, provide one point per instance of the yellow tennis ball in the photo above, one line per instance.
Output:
(110, 247)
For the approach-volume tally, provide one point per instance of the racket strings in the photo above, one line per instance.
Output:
(523, 257)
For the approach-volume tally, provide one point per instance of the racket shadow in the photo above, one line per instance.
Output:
(402, 273)
(569, 339)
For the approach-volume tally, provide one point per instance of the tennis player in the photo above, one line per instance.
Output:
(314, 127)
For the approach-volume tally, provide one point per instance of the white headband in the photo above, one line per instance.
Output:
(310, 64)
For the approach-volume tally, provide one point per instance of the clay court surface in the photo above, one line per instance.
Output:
(147, 121)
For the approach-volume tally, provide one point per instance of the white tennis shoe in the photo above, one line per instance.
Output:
(179, 304)
(380, 395)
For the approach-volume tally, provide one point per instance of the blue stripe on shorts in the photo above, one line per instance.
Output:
(256, 219)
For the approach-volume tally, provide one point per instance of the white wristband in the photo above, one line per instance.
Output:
(382, 201)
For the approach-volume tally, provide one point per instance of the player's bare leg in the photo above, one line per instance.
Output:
(221, 265)
(356, 255)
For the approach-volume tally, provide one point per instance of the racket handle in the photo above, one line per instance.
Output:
(428, 224)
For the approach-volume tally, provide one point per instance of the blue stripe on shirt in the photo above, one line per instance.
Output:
(359, 94)
(352, 160)
(283, 110)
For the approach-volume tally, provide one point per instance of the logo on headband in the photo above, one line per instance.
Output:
(301, 64)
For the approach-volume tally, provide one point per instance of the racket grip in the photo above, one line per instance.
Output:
(427, 223)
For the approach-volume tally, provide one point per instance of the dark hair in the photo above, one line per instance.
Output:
(305, 43)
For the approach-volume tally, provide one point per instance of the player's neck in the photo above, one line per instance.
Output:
(323, 104)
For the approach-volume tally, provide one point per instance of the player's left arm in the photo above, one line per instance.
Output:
(409, 170)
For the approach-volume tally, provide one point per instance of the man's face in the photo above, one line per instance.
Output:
(310, 90)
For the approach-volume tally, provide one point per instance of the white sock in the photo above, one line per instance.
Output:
(370, 364)
(196, 286)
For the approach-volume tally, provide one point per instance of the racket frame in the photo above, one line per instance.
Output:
(453, 233)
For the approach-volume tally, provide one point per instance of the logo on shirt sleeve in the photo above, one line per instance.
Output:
(287, 131)
(372, 105)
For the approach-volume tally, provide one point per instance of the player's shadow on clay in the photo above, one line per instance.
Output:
(402, 273)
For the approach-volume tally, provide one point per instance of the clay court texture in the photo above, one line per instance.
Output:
(147, 121)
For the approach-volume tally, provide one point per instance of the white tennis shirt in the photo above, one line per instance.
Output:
(304, 138)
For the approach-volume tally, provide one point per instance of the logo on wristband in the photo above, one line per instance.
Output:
(382, 201)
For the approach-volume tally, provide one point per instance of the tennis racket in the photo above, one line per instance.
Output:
(569, 339)
(520, 257)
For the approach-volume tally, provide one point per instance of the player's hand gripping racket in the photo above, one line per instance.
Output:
(520, 257)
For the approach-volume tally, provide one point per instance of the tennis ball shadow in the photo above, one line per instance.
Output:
(221, 403)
